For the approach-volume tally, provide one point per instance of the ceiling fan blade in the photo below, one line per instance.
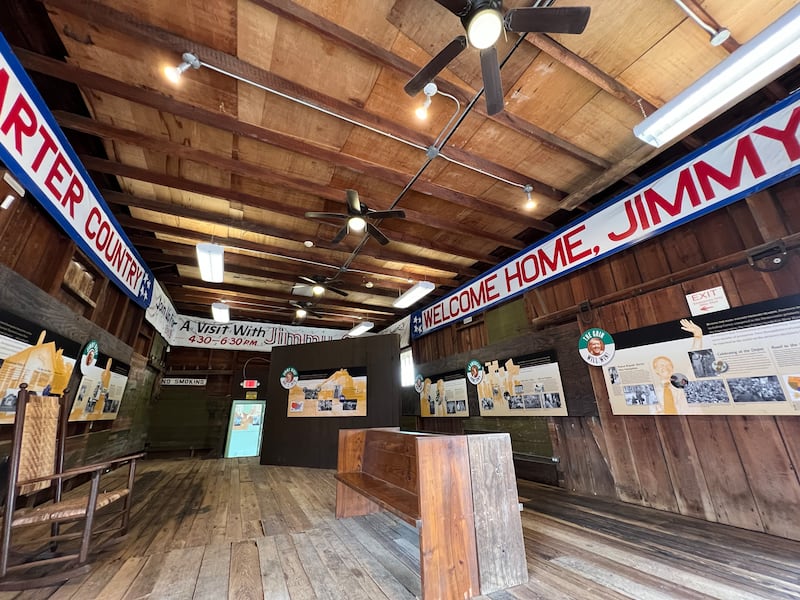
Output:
(325, 215)
(376, 233)
(353, 203)
(436, 64)
(340, 236)
(570, 19)
(308, 280)
(336, 290)
(457, 7)
(386, 214)
(492, 84)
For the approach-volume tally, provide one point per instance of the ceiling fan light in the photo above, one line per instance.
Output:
(301, 313)
(221, 312)
(357, 224)
(317, 290)
(484, 28)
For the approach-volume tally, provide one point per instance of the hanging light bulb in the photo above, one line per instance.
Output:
(531, 203)
(429, 90)
(189, 61)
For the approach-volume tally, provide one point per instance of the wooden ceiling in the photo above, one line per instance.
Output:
(216, 158)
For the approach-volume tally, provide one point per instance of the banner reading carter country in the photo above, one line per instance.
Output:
(36, 151)
(759, 153)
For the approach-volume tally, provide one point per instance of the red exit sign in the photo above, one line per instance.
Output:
(250, 384)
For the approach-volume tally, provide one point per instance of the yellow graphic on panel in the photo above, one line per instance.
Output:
(41, 366)
(340, 395)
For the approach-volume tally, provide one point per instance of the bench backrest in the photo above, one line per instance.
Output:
(392, 457)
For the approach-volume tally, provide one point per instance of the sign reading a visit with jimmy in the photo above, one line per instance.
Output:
(596, 346)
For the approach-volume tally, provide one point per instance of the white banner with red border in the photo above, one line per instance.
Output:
(36, 151)
(755, 155)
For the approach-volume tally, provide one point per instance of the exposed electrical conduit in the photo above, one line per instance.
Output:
(357, 123)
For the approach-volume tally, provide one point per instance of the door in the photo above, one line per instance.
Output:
(244, 429)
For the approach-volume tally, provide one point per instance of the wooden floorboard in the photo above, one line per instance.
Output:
(217, 529)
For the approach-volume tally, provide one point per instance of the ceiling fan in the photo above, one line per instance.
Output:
(483, 21)
(319, 285)
(303, 309)
(357, 218)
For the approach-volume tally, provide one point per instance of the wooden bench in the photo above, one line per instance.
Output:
(456, 491)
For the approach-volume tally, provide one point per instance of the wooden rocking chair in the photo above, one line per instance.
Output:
(36, 461)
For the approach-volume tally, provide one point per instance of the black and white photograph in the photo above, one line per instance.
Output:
(516, 402)
(461, 405)
(350, 405)
(487, 404)
(678, 380)
(640, 395)
(451, 407)
(551, 400)
(756, 389)
(532, 401)
(613, 375)
(324, 405)
(711, 391)
(703, 363)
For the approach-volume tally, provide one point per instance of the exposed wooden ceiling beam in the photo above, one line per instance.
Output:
(128, 222)
(261, 173)
(65, 72)
(100, 14)
(120, 170)
(296, 13)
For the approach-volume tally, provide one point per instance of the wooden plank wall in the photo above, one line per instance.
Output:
(738, 470)
(34, 257)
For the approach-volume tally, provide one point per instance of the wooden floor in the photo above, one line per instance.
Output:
(216, 529)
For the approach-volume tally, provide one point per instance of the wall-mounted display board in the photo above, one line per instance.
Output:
(342, 393)
(100, 390)
(29, 354)
(524, 386)
(741, 361)
(444, 396)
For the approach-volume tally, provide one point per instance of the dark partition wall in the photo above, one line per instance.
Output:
(313, 441)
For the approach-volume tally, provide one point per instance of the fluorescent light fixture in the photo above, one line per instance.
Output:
(362, 327)
(7, 201)
(765, 57)
(484, 28)
(221, 312)
(414, 293)
(211, 260)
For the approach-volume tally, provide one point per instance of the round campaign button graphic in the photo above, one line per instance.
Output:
(289, 378)
(474, 372)
(89, 356)
(419, 383)
(596, 346)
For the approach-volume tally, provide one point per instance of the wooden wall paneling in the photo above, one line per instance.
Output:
(753, 286)
(24, 217)
(579, 476)
(651, 259)
(786, 281)
(625, 270)
(60, 264)
(599, 466)
(686, 474)
(45, 248)
(724, 473)
(767, 215)
(596, 281)
(681, 248)
(559, 443)
(562, 293)
(769, 469)
(719, 234)
(742, 220)
(789, 428)
(620, 455)
(788, 196)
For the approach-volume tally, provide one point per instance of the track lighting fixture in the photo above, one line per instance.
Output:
(14, 191)
(221, 312)
(189, 61)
